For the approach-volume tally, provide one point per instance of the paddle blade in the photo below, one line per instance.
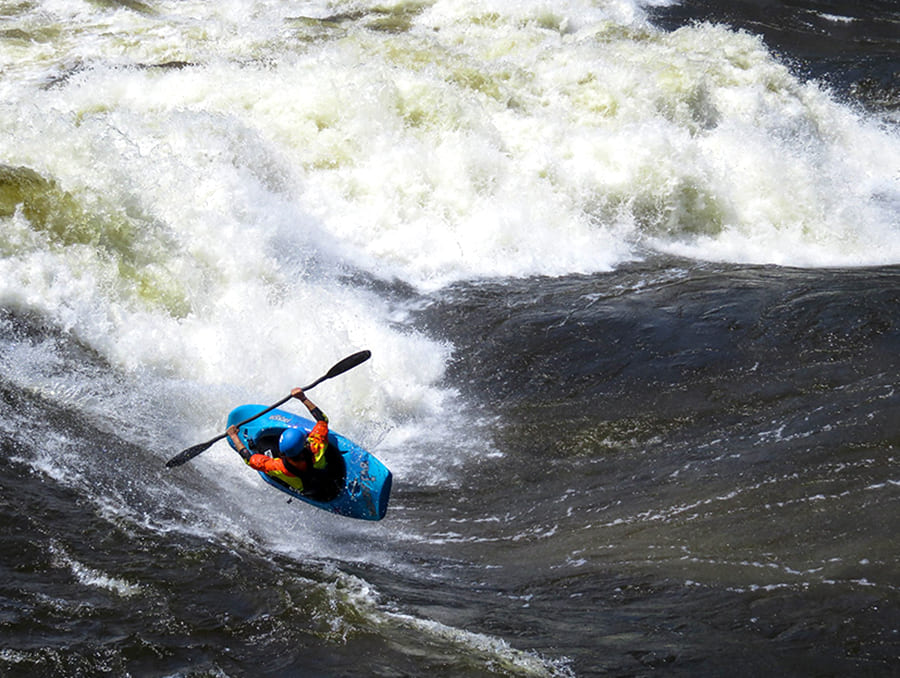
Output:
(188, 454)
(348, 363)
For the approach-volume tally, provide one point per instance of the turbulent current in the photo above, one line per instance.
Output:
(630, 276)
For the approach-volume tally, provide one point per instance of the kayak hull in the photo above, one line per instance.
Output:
(361, 491)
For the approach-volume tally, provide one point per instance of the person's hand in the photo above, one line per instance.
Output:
(232, 432)
(298, 394)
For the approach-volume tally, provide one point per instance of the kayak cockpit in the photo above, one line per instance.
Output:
(319, 485)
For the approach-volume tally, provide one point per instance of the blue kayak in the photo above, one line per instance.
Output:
(354, 483)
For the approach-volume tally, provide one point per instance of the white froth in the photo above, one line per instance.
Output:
(232, 192)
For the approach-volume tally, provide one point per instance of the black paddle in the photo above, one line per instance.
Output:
(347, 363)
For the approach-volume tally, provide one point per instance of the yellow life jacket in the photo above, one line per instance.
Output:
(317, 440)
(276, 469)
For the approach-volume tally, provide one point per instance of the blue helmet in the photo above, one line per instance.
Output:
(291, 442)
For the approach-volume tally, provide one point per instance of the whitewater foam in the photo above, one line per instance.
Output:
(234, 172)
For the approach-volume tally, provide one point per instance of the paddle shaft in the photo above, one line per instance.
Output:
(346, 364)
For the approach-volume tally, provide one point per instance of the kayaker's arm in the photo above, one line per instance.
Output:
(242, 450)
(313, 410)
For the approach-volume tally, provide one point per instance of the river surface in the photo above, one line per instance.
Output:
(630, 275)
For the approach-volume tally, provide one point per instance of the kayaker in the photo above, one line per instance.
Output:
(299, 454)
